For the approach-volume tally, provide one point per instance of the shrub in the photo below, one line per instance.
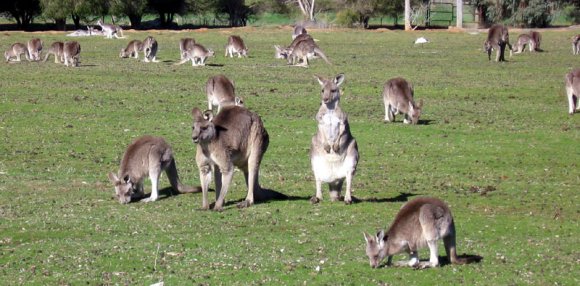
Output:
(346, 18)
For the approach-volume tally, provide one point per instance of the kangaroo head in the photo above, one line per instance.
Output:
(210, 53)
(330, 92)
(376, 248)
(123, 53)
(6, 55)
(123, 188)
(415, 111)
(487, 46)
(281, 53)
(203, 129)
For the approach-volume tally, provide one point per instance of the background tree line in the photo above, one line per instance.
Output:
(528, 13)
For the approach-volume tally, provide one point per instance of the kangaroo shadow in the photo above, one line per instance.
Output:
(470, 258)
(265, 196)
(402, 197)
(164, 193)
(425, 121)
(214, 65)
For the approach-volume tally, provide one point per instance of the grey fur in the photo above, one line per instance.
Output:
(573, 91)
(398, 98)
(497, 38)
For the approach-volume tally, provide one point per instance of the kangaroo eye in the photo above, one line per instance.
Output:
(204, 128)
(333, 91)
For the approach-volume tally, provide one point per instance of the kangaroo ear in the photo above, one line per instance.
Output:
(127, 179)
(368, 238)
(320, 79)
(239, 101)
(339, 79)
(113, 178)
(208, 115)
(196, 113)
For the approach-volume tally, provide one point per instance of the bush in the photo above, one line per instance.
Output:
(535, 15)
(346, 18)
(572, 14)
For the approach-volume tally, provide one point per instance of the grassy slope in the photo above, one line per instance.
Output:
(499, 125)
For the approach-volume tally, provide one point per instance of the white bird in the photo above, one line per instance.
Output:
(421, 40)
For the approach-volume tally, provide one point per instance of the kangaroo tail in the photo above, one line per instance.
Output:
(450, 248)
(322, 55)
(46, 57)
(184, 60)
(176, 183)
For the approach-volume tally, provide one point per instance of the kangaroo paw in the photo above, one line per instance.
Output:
(314, 200)
(244, 204)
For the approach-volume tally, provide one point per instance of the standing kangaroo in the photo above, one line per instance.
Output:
(71, 53)
(236, 137)
(150, 49)
(333, 151)
(236, 45)
(221, 92)
(497, 38)
(15, 51)
(576, 45)
(151, 156)
(185, 44)
(420, 222)
(573, 90)
(56, 49)
(398, 98)
(34, 47)
(298, 30)
(132, 49)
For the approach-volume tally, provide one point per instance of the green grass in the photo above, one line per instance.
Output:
(501, 126)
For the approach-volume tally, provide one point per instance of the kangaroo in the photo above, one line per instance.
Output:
(497, 38)
(537, 38)
(15, 51)
(398, 97)
(420, 222)
(305, 50)
(282, 53)
(132, 49)
(90, 31)
(198, 55)
(111, 31)
(333, 150)
(298, 30)
(147, 155)
(234, 137)
(573, 90)
(185, 44)
(221, 92)
(56, 49)
(150, 49)
(576, 45)
(523, 40)
(34, 47)
(71, 53)
(236, 45)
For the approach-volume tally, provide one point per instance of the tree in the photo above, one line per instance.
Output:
(57, 10)
(23, 11)
(86, 10)
(167, 9)
(306, 7)
(133, 9)
(237, 11)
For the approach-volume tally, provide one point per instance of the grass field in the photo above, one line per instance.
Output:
(495, 142)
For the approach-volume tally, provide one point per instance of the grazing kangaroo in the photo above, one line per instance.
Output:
(56, 49)
(234, 137)
(34, 47)
(236, 45)
(523, 40)
(333, 151)
(576, 45)
(420, 222)
(298, 30)
(71, 53)
(497, 38)
(282, 53)
(185, 44)
(150, 49)
(111, 31)
(132, 49)
(198, 55)
(398, 97)
(537, 38)
(15, 51)
(151, 156)
(305, 50)
(221, 92)
(573, 91)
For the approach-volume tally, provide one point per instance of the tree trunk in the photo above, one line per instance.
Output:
(60, 24)
(135, 21)
(407, 15)
(77, 21)
(459, 14)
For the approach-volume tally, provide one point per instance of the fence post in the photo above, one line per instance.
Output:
(459, 14)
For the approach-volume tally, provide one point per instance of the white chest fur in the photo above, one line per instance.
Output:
(329, 124)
